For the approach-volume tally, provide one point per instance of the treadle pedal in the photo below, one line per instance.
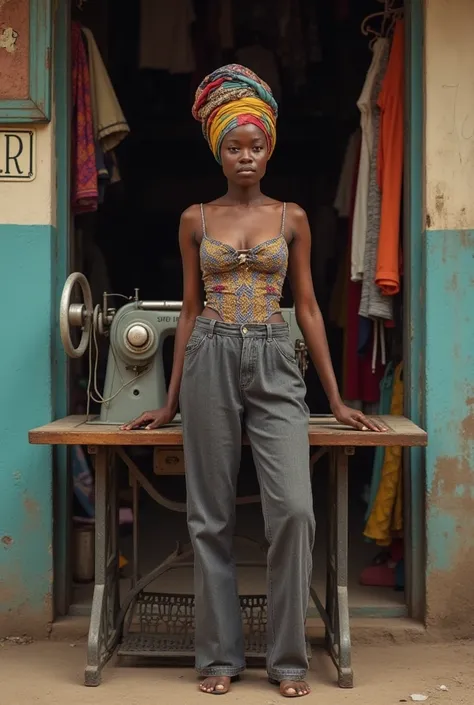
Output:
(166, 628)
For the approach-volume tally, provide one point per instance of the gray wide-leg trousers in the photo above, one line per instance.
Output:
(235, 379)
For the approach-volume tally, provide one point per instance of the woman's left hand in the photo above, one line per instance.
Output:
(351, 417)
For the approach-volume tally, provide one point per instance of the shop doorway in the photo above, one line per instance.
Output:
(130, 240)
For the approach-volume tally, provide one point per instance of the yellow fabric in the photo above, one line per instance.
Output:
(386, 519)
(229, 113)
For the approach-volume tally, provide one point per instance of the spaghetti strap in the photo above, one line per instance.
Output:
(203, 221)
(283, 219)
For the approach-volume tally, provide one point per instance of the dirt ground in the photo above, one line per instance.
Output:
(51, 674)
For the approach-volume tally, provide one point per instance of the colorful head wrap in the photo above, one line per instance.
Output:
(232, 96)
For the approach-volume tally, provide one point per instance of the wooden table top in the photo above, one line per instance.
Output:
(323, 431)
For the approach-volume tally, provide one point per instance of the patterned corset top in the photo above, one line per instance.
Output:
(244, 286)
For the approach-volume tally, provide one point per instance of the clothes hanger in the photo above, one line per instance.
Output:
(395, 15)
(372, 42)
(365, 29)
(389, 15)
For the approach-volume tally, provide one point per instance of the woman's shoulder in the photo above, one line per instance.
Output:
(295, 214)
(191, 218)
(190, 214)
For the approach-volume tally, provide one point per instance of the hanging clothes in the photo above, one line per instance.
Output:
(85, 193)
(390, 166)
(165, 36)
(359, 225)
(343, 200)
(386, 393)
(362, 372)
(110, 125)
(373, 303)
(361, 379)
(386, 518)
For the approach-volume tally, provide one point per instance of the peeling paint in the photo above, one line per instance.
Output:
(8, 40)
(7, 541)
(439, 203)
(450, 426)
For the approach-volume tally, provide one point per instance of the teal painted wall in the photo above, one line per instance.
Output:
(449, 403)
(26, 401)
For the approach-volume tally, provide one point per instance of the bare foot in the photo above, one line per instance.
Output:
(215, 685)
(292, 689)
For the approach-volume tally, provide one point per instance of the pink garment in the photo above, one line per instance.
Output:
(85, 192)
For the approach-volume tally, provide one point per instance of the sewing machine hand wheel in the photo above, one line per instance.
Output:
(79, 315)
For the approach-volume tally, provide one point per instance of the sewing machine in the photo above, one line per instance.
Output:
(135, 379)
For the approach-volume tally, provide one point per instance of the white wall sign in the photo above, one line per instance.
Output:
(17, 155)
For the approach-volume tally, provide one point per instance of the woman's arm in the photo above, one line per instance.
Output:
(192, 307)
(311, 321)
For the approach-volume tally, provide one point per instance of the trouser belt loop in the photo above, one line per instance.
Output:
(212, 325)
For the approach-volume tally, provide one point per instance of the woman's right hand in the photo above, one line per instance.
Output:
(150, 419)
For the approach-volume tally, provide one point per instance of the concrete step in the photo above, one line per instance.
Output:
(364, 630)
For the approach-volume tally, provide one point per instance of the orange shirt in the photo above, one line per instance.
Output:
(390, 166)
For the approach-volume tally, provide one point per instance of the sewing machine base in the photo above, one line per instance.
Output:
(166, 621)
(112, 619)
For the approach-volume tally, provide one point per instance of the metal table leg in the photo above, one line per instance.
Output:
(106, 600)
(336, 612)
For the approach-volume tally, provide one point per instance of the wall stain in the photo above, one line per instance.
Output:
(18, 615)
(7, 541)
(449, 601)
(461, 220)
(439, 203)
(31, 506)
(467, 428)
(33, 513)
(453, 283)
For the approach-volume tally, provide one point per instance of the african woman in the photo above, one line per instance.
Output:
(234, 370)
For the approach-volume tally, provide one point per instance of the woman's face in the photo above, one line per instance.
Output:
(244, 155)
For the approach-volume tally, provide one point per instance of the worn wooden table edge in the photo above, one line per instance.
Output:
(323, 431)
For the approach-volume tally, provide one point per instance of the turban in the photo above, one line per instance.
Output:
(230, 97)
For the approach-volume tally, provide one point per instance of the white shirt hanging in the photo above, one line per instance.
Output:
(359, 223)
